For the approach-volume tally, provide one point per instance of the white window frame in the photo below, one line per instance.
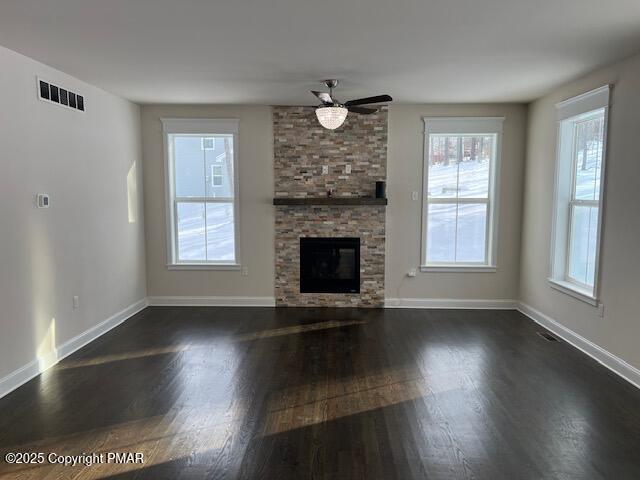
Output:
(198, 126)
(456, 126)
(573, 108)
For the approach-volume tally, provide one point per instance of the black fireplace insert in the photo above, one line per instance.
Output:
(330, 265)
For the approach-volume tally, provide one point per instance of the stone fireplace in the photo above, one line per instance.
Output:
(304, 211)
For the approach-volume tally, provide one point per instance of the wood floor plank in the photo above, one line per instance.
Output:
(264, 393)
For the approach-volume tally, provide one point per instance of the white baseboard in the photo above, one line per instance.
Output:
(474, 304)
(38, 365)
(607, 359)
(212, 301)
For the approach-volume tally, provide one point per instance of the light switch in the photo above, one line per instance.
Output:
(325, 169)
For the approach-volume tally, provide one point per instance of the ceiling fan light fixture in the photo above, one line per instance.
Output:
(332, 116)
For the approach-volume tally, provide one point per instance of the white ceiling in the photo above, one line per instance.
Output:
(274, 51)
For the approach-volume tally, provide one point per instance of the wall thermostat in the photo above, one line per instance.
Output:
(43, 200)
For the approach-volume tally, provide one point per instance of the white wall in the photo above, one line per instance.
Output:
(255, 162)
(90, 242)
(619, 330)
(404, 175)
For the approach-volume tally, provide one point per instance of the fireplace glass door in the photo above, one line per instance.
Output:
(329, 265)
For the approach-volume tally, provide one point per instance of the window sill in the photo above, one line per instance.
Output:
(459, 268)
(204, 266)
(573, 291)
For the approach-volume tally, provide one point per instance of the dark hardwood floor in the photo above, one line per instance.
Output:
(328, 393)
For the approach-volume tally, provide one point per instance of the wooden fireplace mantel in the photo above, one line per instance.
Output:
(354, 201)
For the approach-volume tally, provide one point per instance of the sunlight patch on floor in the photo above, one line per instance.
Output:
(321, 402)
(118, 357)
(296, 329)
(214, 347)
(324, 401)
(161, 438)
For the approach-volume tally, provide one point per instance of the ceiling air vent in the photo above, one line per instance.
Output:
(60, 96)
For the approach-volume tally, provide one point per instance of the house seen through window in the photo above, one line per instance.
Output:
(202, 197)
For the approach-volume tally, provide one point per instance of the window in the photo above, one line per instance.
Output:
(208, 143)
(202, 212)
(216, 176)
(459, 200)
(578, 196)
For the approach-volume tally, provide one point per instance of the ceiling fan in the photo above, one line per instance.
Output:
(331, 114)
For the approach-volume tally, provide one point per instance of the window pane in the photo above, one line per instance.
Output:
(191, 238)
(589, 137)
(443, 166)
(441, 233)
(189, 166)
(473, 177)
(219, 161)
(582, 248)
(459, 166)
(471, 233)
(220, 232)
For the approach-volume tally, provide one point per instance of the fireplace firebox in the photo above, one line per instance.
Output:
(329, 265)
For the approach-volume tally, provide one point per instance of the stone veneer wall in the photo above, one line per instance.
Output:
(301, 148)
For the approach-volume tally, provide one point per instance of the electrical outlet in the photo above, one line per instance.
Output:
(76, 302)
(347, 168)
(414, 196)
(325, 169)
(411, 273)
(245, 271)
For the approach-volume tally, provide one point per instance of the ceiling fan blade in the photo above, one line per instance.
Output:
(364, 101)
(324, 97)
(363, 110)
